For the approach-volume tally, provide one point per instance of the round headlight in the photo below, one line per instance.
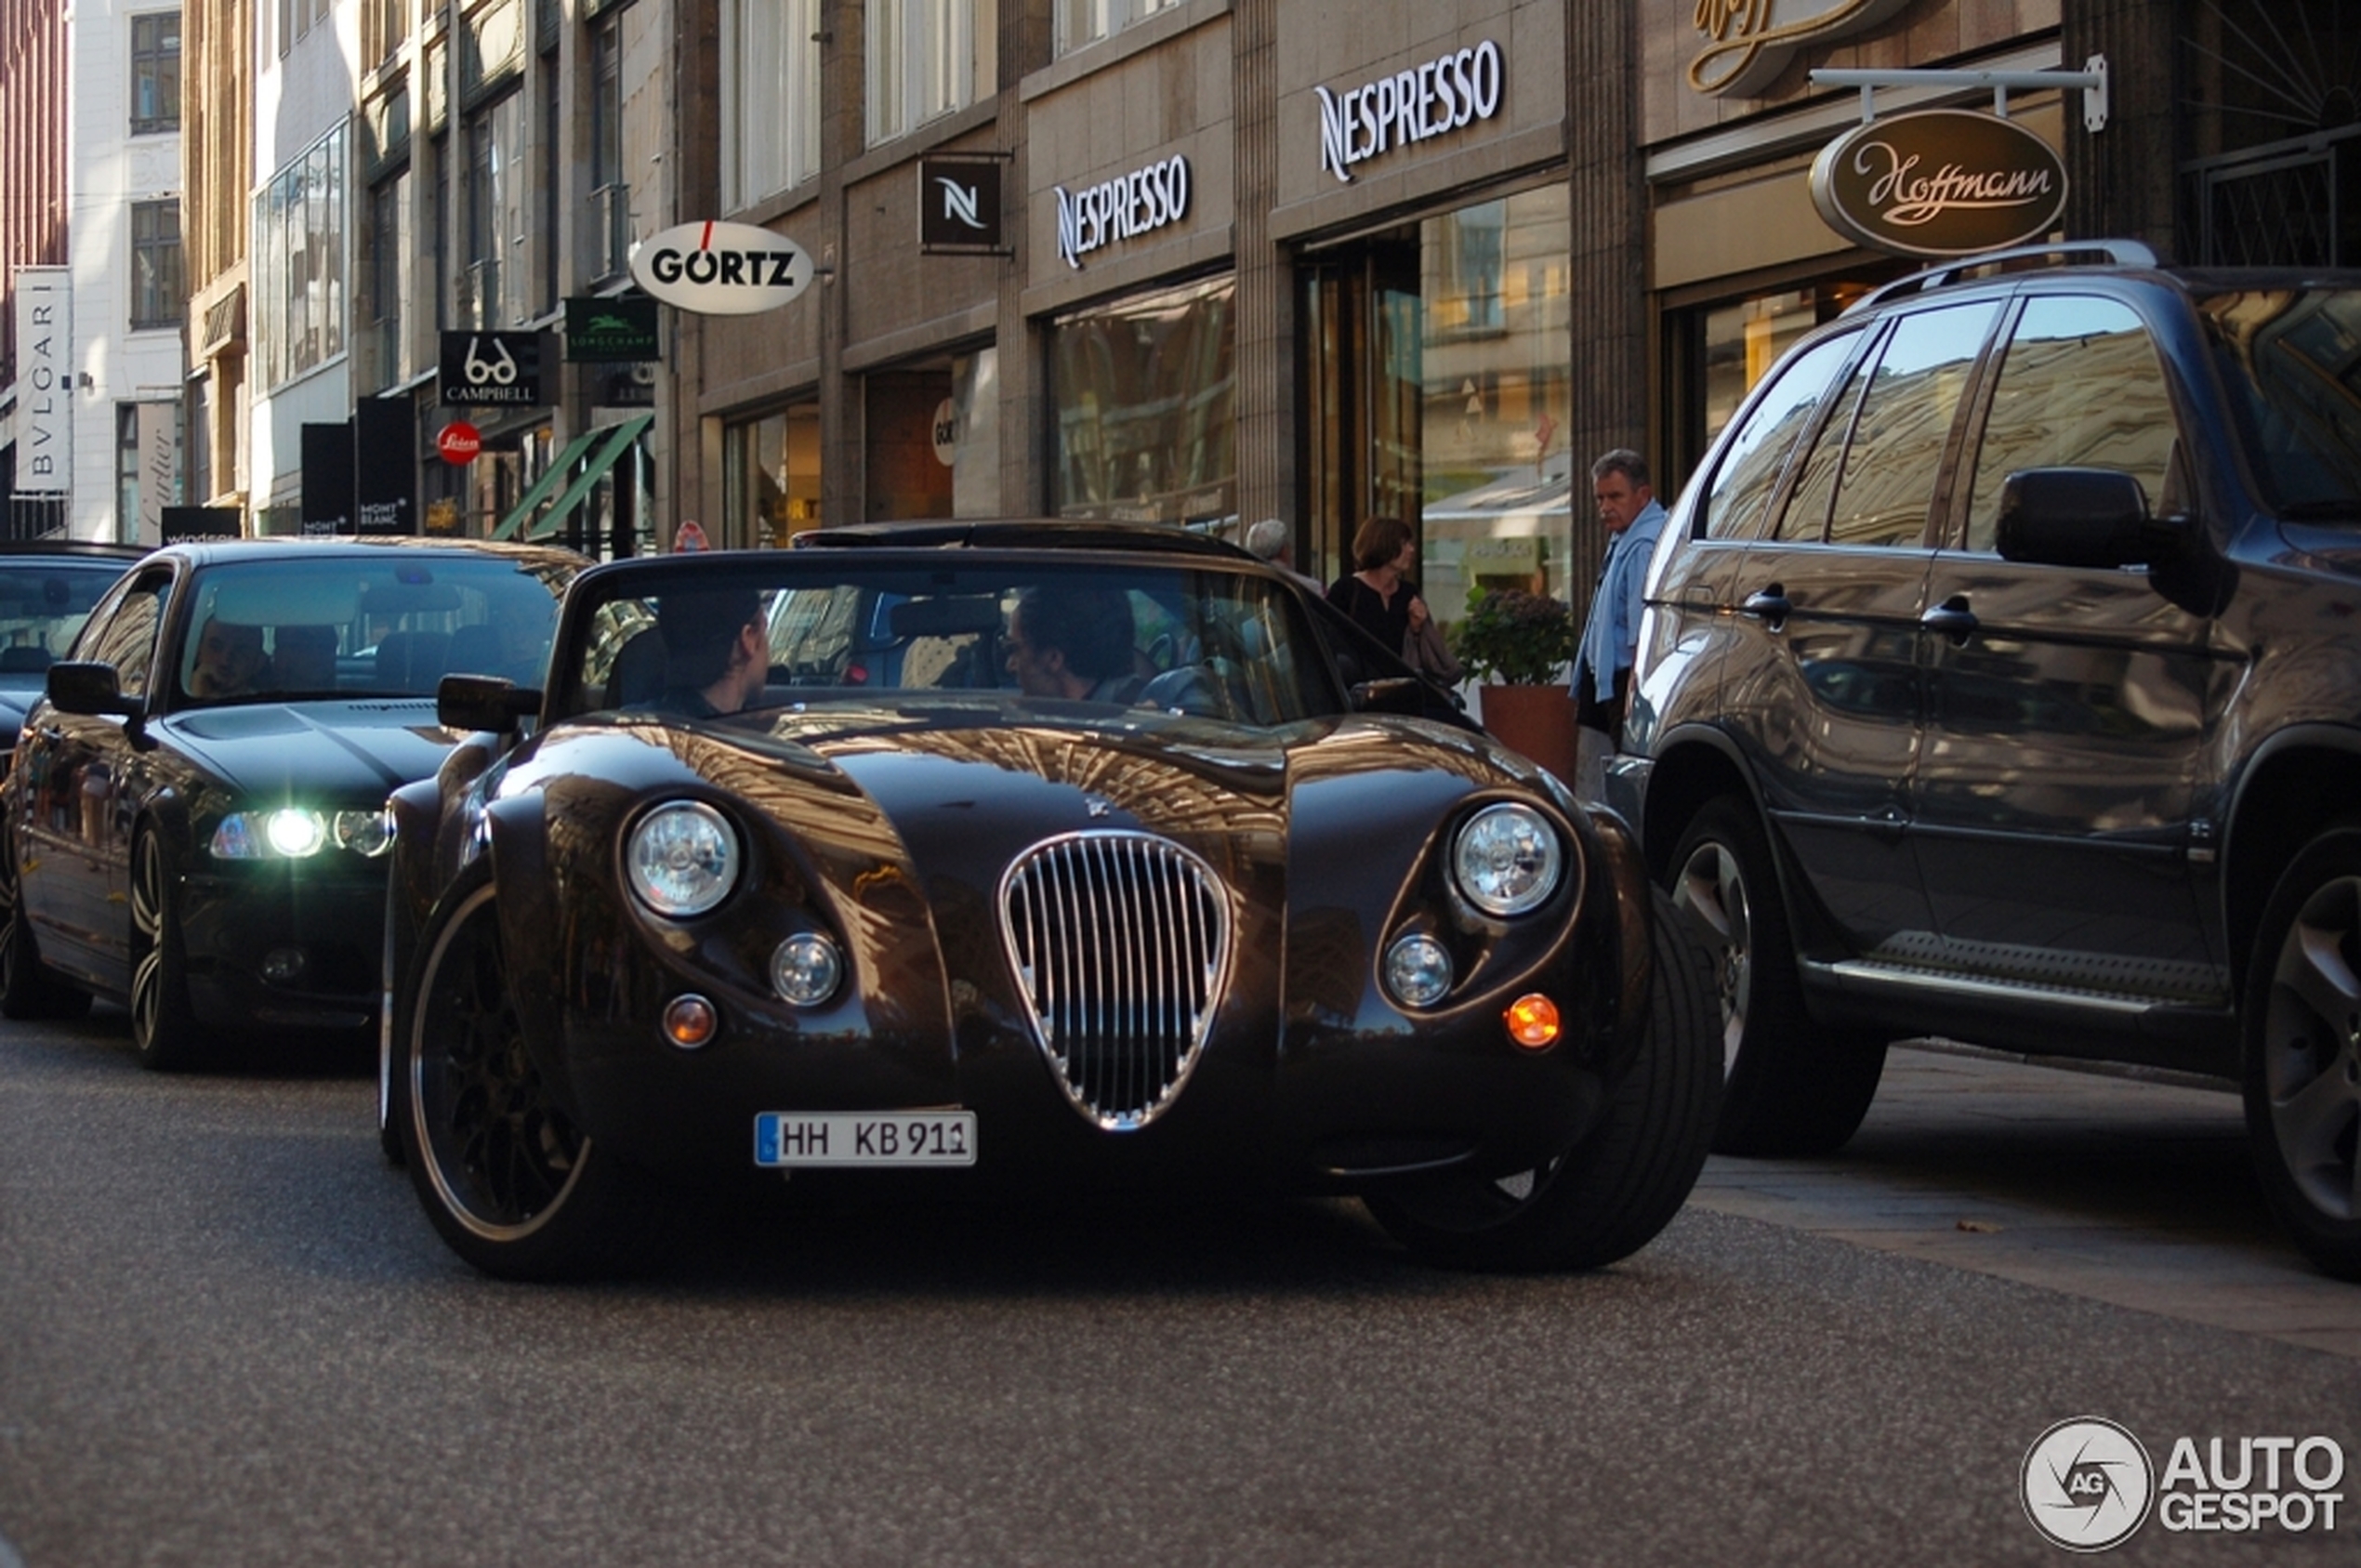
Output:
(364, 833)
(1418, 970)
(805, 967)
(683, 859)
(1508, 860)
(295, 833)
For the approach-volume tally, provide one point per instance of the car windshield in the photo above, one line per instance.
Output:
(344, 627)
(43, 604)
(2291, 359)
(829, 627)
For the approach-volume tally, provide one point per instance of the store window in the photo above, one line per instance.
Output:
(155, 74)
(771, 477)
(1145, 395)
(928, 58)
(1087, 22)
(769, 98)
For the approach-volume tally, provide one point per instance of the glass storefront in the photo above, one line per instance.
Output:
(1438, 391)
(1144, 394)
(771, 475)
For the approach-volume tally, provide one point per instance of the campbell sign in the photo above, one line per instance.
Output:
(1939, 182)
(718, 268)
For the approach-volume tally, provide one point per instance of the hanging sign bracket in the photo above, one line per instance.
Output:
(2091, 81)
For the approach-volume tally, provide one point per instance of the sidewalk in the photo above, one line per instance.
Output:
(2133, 1191)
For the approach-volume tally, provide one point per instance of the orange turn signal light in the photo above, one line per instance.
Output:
(689, 1021)
(1533, 1021)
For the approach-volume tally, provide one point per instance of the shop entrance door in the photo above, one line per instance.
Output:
(1361, 330)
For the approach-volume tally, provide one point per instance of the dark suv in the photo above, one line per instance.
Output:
(2002, 681)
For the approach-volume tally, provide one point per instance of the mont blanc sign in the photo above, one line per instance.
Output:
(1939, 182)
(716, 268)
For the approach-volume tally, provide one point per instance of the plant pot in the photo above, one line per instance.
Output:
(1537, 720)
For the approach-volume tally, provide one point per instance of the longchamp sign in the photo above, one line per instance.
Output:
(1750, 41)
(1939, 182)
(716, 268)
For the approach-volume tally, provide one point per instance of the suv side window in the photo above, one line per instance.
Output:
(1905, 419)
(1734, 505)
(2082, 386)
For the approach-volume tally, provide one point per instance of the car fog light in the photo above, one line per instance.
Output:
(805, 967)
(1418, 970)
(689, 1021)
(1533, 1021)
(282, 965)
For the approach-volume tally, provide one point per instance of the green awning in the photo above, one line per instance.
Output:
(617, 438)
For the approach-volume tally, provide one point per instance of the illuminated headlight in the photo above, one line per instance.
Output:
(290, 833)
(1418, 970)
(805, 967)
(1508, 860)
(682, 859)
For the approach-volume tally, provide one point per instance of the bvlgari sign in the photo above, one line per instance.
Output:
(1939, 182)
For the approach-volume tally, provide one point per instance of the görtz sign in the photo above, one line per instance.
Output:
(1939, 182)
(1121, 208)
(1442, 94)
(716, 268)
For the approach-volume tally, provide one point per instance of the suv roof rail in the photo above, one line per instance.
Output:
(2112, 253)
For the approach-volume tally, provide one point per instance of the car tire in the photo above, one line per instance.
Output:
(2301, 1028)
(163, 1026)
(509, 1182)
(1790, 1086)
(29, 989)
(1608, 1195)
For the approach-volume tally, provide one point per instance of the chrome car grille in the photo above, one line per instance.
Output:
(1122, 943)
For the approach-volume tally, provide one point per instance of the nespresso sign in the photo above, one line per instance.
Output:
(1939, 182)
(1121, 208)
(1444, 94)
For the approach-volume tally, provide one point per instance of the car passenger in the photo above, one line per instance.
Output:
(1075, 643)
(303, 659)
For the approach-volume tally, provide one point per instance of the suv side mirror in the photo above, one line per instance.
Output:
(483, 702)
(86, 687)
(2076, 516)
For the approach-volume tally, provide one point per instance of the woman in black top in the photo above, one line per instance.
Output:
(1379, 595)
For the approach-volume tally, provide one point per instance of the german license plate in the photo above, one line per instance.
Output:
(903, 1139)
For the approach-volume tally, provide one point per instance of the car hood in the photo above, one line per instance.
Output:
(329, 751)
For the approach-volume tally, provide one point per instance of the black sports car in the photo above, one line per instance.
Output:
(47, 588)
(1018, 852)
(195, 819)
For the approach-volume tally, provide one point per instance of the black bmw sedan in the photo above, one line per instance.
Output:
(47, 588)
(194, 819)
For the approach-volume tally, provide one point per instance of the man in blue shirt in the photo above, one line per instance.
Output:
(1627, 510)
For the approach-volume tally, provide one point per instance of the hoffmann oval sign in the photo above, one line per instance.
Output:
(1939, 182)
(719, 269)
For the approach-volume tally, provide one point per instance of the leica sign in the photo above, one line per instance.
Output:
(1940, 182)
(718, 268)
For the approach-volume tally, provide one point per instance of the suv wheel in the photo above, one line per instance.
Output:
(1789, 1086)
(2302, 1026)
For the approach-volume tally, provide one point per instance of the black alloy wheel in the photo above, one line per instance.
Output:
(2303, 1051)
(164, 1027)
(29, 989)
(1627, 1177)
(1790, 1086)
(509, 1182)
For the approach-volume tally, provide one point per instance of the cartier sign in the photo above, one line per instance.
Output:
(1750, 41)
(1940, 182)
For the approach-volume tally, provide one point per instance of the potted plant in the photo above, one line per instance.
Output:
(1516, 645)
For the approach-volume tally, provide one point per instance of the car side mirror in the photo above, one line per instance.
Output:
(2080, 517)
(484, 702)
(88, 687)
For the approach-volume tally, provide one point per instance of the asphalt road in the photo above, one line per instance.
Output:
(226, 1336)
